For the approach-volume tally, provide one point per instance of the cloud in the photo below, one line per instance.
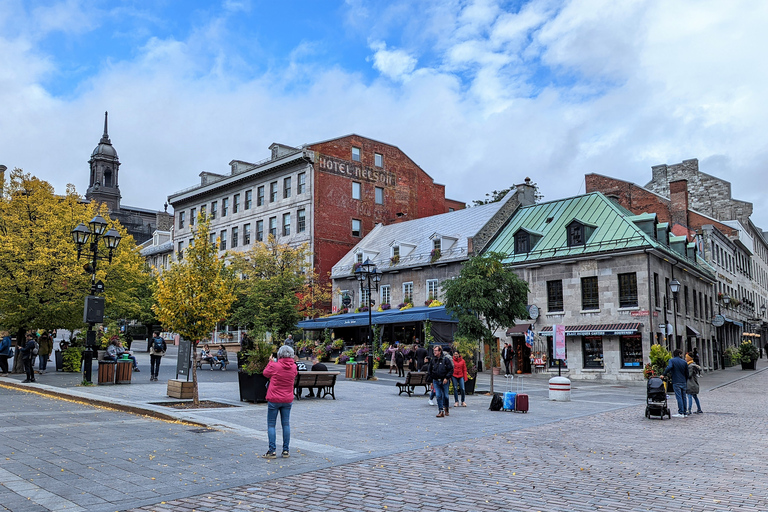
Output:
(394, 64)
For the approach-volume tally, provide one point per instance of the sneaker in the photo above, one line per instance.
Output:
(286, 454)
(441, 414)
(688, 413)
(699, 412)
(678, 415)
(25, 381)
(269, 455)
(431, 402)
(137, 370)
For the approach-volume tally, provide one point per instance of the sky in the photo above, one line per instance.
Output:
(480, 93)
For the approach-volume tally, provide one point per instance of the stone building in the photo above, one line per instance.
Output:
(158, 251)
(328, 194)
(604, 273)
(103, 187)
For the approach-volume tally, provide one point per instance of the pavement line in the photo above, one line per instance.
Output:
(309, 446)
(36, 494)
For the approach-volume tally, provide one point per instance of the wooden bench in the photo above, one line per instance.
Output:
(221, 365)
(325, 383)
(413, 379)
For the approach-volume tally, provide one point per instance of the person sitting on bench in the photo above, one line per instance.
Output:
(206, 357)
(221, 356)
(317, 366)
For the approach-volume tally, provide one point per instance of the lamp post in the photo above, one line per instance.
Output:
(93, 312)
(367, 274)
(674, 287)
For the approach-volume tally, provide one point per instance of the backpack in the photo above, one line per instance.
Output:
(497, 402)
(157, 344)
(36, 349)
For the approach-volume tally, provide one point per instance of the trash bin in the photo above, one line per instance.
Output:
(123, 371)
(350, 370)
(106, 373)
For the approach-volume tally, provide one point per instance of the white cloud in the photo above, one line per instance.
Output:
(394, 64)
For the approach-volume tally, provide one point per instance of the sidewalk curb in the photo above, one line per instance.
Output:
(748, 375)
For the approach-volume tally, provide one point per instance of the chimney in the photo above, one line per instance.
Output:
(678, 209)
(526, 193)
(2, 178)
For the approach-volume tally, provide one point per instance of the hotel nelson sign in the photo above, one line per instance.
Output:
(358, 172)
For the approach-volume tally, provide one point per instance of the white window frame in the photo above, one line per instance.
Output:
(378, 160)
(409, 286)
(433, 284)
(385, 295)
(379, 195)
(357, 154)
(357, 190)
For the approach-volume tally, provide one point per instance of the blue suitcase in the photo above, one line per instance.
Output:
(509, 401)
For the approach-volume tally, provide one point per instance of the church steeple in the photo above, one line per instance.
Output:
(103, 185)
(105, 137)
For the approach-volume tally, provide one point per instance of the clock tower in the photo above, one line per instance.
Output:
(105, 166)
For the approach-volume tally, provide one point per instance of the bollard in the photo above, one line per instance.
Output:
(560, 389)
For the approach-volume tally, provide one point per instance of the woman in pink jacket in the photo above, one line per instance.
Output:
(281, 374)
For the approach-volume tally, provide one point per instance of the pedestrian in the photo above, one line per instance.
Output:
(695, 355)
(440, 371)
(692, 385)
(400, 362)
(677, 370)
(6, 351)
(156, 352)
(46, 348)
(281, 373)
(317, 366)
(507, 354)
(421, 355)
(412, 359)
(391, 351)
(458, 378)
(28, 357)
(222, 357)
(289, 341)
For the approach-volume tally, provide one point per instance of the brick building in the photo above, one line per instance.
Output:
(329, 194)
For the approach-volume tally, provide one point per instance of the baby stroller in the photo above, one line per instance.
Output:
(656, 399)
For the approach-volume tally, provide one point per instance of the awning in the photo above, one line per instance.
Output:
(596, 330)
(691, 332)
(734, 322)
(519, 330)
(390, 316)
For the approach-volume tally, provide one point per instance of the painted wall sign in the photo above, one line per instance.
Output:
(356, 171)
(642, 312)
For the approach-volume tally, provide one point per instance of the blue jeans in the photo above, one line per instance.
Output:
(442, 393)
(680, 395)
(285, 422)
(691, 398)
(458, 383)
(42, 362)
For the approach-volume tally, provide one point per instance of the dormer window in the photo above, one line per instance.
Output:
(575, 234)
(522, 243)
(396, 251)
(359, 257)
(436, 245)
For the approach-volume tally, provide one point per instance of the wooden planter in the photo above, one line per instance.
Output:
(181, 389)
(253, 388)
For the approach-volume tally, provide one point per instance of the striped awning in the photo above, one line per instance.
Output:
(596, 330)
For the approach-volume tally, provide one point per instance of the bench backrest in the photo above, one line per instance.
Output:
(306, 379)
(416, 378)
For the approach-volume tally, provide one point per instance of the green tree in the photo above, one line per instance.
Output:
(485, 297)
(195, 293)
(274, 282)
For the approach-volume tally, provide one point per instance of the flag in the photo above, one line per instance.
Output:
(529, 338)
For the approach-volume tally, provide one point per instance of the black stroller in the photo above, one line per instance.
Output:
(656, 399)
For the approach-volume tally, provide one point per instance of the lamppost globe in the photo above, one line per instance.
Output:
(726, 300)
(112, 239)
(80, 235)
(762, 310)
(98, 225)
(674, 286)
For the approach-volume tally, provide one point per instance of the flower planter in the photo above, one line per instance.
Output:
(497, 370)
(253, 388)
(748, 365)
(469, 386)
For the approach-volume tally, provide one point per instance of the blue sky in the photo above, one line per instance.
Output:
(480, 93)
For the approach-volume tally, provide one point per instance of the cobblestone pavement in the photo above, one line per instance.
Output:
(374, 450)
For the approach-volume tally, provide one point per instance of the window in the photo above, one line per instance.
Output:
(395, 252)
(432, 290)
(213, 239)
(214, 209)
(273, 226)
(628, 290)
(287, 187)
(685, 298)
(181, 250)
(589, 295)
(192, 215)
(224, 207)
(555, 296)
(436, 245)
(248, 199)
(695, 306)
(356, 190)
(181, 220)
(223, 240)
(236, 203)
(235, 233)
(286, 224)
(260, 196)
(593, 351)
(259, 230)
(408, 293)
(522, 243)
(301, 220)
(247, 234)
(575, 234)
(631, 351)
(379, 195)
(656, 295)
(273, 192)
(355, 154)
(364, 299)
(378, 160)
(202, 211)
(357, 228)
(384, 294)
(359, 257)
(551, 361)
(301, 185)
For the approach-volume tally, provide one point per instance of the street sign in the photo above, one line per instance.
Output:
(184, 358)
(718, 320)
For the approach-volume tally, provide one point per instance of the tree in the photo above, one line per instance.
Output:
(43, 282)
(276, 288)
(195, 293)
(498, 195)
(486, 296)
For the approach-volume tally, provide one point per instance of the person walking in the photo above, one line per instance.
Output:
(677, 370)
(440, 371)
(421, 356)
(6, 351)
(392, 350)
(46, 348)
(692, 385)
(507, 354)
(459, 376)
(28, 357)
(281, 373)
(289, 341)
(156, 352)
(400, 362)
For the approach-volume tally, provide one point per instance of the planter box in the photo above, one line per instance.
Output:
(180, 388)
(253, 388)
(751, 365)
(469, 386)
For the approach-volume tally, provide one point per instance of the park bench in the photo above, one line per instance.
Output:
(325, 383)
(413, 379)
(221, 365)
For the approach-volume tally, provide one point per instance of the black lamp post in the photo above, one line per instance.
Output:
(674, 287)
(369, 275)
(93, 312)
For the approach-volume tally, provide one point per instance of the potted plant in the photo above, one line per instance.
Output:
(250, 376)
(659, 357)
(748, 355)
(434, 255)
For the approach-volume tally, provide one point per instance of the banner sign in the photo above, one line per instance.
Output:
(559, 331)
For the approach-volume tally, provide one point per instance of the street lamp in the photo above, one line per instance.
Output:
(93, 312)
(674, 287)
(367, 274)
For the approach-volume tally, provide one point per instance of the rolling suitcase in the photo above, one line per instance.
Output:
(521, 399)
(509, 396)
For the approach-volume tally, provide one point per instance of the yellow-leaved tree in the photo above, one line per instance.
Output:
(195, 293)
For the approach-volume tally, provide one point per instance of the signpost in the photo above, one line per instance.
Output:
(184, 358)
(559, 332)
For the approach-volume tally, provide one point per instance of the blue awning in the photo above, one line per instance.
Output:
(390, 316)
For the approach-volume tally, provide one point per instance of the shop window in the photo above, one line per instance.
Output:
(631, 351)
(592, 348)
(590, 298)
(628, 290)
(554, 296)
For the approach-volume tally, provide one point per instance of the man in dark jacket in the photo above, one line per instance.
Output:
(317, 366)
(440, 371)
(507, 354)
(421, 355)
(677, 369)
(28, 356)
